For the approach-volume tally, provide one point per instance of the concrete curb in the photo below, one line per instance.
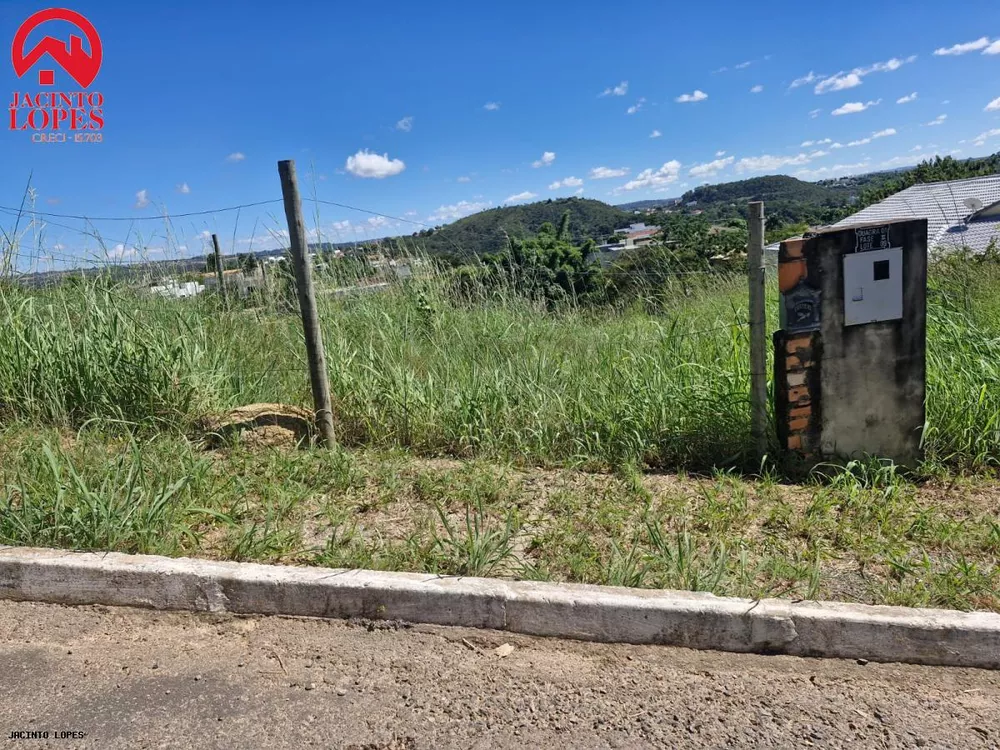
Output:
(596, 613)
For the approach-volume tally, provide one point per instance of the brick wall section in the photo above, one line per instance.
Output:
(796, 367)
(797, 391)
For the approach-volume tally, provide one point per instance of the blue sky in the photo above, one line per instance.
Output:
(430, 111)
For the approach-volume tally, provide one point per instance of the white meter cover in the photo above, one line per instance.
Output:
(873, 286)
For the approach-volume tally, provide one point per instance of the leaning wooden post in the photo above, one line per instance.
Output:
(758, 330)
(307, 301)
(218, 265)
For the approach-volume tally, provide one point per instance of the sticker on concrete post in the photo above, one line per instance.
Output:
(871, 238)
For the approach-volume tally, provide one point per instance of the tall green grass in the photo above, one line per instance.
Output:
(664, 385)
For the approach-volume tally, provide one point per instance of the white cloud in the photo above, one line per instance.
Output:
(939, 120)
(525, 196)
(962, 49)
(120, 252)
(756, 89)
(819, 154)
(854, 107)
(464, 178)
(804, 80)
(993, 106)
(835, 170)
(636, 107)
(573, 182)
(650, 178)
(842, 81)
(406, 124)
(993, 49)
(183, 188)
(491, 106)
(917, 148)
(236, 156)
(815, 113)
(604, 173)
(902, 161)
(376, 221)
(720, 153)
(743, 65)
(696, 96)
(655, 134)
(865, 141)
(768, 163)
(620, 90)
(838, 82)
(907, 99)
(887, 67)
(578, 192)
(712, 168)
(980, 140)
(377, 166)
(824, 142)
(58, 246)
(547, 158)
(141, 199)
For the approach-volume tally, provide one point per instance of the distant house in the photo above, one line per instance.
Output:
(236, 281)
(631, 237)
(960, 213)
(175, 289)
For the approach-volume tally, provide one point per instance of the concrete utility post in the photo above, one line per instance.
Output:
(850, 360)
(758, 330)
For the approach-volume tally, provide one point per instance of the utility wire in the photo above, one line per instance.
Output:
(141, 218)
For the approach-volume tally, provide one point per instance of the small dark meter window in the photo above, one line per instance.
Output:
(881, 270)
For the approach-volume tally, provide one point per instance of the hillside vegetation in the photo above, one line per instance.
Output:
(487, 231)
(787, 199)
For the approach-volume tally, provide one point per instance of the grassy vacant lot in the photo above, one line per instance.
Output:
(495, 437)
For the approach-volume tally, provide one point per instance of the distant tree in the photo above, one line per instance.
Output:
(549, 265)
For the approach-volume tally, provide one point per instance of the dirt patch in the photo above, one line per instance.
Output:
(138, 678)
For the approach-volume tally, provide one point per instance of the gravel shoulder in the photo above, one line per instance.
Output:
(140, 679)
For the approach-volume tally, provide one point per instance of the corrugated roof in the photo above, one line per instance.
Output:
(943, 205)
(976, 235)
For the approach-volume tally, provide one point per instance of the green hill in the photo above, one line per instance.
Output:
(644, 205)
(787, 197)
(486, 232)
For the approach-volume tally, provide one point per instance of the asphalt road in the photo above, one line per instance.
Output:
(126, 678)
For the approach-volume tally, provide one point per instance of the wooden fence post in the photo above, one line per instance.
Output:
(218, 265)
(307, 301)
(758, 330)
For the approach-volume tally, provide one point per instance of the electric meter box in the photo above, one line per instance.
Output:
(873, 286)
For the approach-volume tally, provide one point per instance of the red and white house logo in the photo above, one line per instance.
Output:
(54, 116)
